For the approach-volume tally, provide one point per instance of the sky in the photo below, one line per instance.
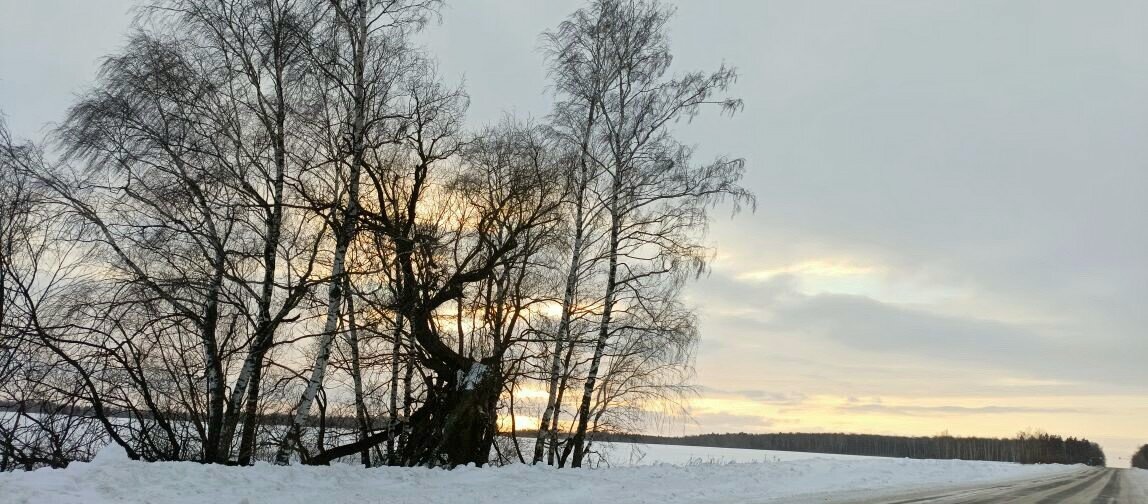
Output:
(951, 231)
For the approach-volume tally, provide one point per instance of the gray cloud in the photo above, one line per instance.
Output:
(859, 339)
(756, 395)
(49, 52)
(732, 421)
(879, 328)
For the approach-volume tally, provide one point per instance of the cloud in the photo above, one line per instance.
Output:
(1040, 354)
(868, 324)
(814, 267)
(756, 395)
(722, 421)
(769, 336)
(948, 410)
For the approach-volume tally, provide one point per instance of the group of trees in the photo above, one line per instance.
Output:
(1140, 458)
(1025, 448)
(268, 217)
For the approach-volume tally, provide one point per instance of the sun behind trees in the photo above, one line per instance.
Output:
(269, 217)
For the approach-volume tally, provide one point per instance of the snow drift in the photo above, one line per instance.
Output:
(112, 478)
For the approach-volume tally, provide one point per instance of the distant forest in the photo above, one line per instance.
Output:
(1140, 458)
(1025, 448)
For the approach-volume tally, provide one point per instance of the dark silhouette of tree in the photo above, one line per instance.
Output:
(268, 235)
(1140, 458)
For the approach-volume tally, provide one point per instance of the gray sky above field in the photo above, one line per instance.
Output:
(952, 230)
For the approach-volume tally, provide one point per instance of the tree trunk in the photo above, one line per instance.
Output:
(396, 346)
(579, 439)
(458, 423)
(561, 337)
(214, 371)
(408, 402)
(252, 370)
(319, 370)
(552, 431)
(250, 413)
(247, 383)
(568, 297)
(343, 236)
(357, 378)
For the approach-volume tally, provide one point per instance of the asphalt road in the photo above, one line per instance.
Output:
(1092, 486)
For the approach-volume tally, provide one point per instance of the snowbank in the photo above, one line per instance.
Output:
(111, 478)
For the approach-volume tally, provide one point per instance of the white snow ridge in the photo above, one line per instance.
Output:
(111, 455)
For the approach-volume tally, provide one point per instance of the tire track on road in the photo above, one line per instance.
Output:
(1020, 491)
(1086, 486)
(1059, 497)
(1111, 492)
(993, 494)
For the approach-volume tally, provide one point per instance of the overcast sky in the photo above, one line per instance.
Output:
(951, 232)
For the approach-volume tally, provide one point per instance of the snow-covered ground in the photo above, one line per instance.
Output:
(1139, 483)
(111, 477)
(627, 454)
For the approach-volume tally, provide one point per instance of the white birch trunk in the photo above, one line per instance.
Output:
(561, 337)
(579, 438)
(343, 236)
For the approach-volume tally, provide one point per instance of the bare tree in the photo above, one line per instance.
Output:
(158, 195)
(17, 200)
(456, 234)
(614, 57)
(261, 199)
(573, 54)
(44, 419)
(364, 59)
(258, 49)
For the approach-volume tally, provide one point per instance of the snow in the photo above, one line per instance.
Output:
(628, 454)
(1138, 483)
(110, 456)
(473, 376)
(776, 475)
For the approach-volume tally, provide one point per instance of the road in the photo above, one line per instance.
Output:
(1090, 486)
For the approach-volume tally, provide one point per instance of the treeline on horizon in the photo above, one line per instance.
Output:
(1025, 448)
(1140, 458)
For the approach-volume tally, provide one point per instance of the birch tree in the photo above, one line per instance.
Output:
(574, 54)
(363, 59)
(259, 52)
(654, 196)
(272, 213)
(156, 197)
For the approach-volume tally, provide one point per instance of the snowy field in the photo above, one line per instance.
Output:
(670, 474)
(627, 454)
